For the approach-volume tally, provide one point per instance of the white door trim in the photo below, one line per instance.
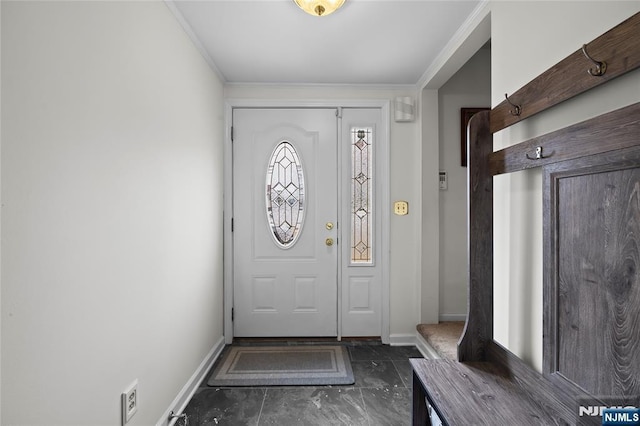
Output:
(384, 152)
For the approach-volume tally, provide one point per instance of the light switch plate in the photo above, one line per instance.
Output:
(401, 208)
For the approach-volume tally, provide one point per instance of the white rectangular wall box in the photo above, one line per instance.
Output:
(405, 109)
(443, 181)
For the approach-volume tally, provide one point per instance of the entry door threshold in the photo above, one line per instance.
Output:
(303, 340)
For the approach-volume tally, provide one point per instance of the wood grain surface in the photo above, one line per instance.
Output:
(608, 132)
(485, 393)
(618, 47)
(594, 278)
(478, 331)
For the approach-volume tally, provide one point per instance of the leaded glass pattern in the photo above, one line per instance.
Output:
(285, 194)
(361, 195)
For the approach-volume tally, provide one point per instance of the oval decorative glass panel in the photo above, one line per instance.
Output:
(285, 194)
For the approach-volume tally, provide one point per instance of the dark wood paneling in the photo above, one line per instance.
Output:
(615, 130)
(419, 412)
(618, 47)
(592, 287)
(478, 331)
(567, 394)
(465, 116)
(486, 393)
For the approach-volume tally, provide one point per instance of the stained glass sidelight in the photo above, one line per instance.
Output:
(361, 195)
(285, 194)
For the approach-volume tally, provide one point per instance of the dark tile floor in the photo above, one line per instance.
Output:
(380, 396)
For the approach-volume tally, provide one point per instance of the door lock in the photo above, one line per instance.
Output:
(329, 226)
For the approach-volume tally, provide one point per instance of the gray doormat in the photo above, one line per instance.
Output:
(283, 365)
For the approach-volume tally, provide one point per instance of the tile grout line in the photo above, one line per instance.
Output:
(393, 362)
(264, 398)
(364, 405)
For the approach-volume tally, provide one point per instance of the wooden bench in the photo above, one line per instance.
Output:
(588, 358)
(504, 392)
(591, 284)
(483, 393)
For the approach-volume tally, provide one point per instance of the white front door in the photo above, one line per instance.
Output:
(285, 182)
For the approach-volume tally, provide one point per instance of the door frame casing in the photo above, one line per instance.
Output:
(383, 170)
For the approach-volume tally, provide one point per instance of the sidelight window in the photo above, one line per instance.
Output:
(361, 195)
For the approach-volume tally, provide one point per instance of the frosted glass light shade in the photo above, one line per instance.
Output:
(319, 7)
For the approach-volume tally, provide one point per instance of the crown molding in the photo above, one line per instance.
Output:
(383, 87)
(471, 36)
(194, 39)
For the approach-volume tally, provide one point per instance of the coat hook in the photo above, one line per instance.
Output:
(539, 155)
(601, 66)
(517, 110)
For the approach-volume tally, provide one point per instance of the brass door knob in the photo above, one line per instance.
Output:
(329, 226)
(329, 241)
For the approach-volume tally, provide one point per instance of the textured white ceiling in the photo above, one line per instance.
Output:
(374, 42)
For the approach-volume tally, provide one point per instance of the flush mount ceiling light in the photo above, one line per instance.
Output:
(319, 7)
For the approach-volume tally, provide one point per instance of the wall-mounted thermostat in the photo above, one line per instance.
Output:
(443, 181)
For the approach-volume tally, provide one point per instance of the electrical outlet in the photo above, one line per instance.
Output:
(401, 208)
(129, 402)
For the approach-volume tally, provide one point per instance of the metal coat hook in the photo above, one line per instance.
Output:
(601, 66)
(539, 155)
(517, 110)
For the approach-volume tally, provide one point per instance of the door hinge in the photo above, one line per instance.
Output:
(232, 314)
(231, 133)
(231, 224)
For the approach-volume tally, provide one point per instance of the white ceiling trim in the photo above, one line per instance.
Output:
(472, 34)
(194, 39)
(412, 87)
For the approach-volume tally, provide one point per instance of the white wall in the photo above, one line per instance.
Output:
(0, 221)
(528, 37)
(111, 219)
(430, 235)
(469, 38)
(405, 185)
(470, 87)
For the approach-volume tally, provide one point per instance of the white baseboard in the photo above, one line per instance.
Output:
(452, 317)
(402, 339)
(425, 348)
(189, 389)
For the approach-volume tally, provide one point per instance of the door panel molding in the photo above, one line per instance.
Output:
(305, 290)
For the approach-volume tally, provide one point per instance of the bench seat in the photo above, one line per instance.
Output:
(486, 393)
